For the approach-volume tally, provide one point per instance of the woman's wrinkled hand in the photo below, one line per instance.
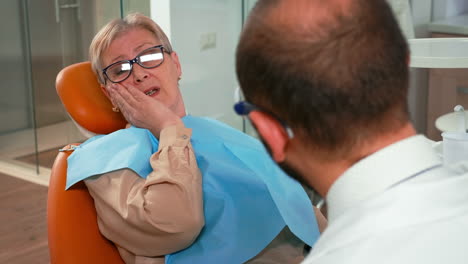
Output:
(141, 110)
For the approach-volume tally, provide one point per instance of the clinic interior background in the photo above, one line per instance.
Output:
(40, 37)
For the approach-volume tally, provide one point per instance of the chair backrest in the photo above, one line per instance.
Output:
(73, 232)
(81, 95)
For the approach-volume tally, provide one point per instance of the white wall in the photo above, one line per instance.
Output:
(204, 34)
(161, 13)
(447, 8)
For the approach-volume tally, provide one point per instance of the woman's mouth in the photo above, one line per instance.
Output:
(152, 92)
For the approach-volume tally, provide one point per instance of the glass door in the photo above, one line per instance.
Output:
(17, 123)
(69, 27)
(44, 36)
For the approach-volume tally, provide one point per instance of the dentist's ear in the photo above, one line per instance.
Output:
(272, 132)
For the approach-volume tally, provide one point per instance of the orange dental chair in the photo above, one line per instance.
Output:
(73, 232)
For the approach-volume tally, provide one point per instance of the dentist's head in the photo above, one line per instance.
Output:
(334, 72)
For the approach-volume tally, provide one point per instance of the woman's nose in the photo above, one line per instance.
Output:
(139, 73)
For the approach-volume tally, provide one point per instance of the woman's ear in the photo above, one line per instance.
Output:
(104, 90)
(272, 133)
(175, 59)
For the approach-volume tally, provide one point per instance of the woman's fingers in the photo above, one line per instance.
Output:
(113, 95)
(123, 96)
(136, 94)
(122, 100)
(141, 110)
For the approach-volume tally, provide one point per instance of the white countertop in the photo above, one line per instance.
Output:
(439, 52)
(453, 25)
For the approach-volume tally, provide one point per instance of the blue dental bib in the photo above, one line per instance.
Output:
(247, 198)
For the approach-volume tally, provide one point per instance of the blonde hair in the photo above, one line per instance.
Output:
(115, 28)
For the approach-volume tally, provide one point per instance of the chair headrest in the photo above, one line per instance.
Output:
(82, 97)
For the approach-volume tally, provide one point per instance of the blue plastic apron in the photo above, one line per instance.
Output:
(247, 198)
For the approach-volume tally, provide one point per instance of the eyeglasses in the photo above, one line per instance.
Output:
(243, 108)
(149, 58)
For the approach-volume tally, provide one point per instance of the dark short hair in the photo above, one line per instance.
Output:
(334, 82)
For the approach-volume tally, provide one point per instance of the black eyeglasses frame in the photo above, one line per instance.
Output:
(133, 61)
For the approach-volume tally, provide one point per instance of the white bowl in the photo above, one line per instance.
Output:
(449, 122)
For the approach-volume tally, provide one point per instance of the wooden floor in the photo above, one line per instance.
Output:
(45, 158)
(23, 225)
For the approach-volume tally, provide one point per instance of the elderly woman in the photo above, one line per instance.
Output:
(145, 179)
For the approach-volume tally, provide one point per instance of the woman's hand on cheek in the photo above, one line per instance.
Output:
(141, 110)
